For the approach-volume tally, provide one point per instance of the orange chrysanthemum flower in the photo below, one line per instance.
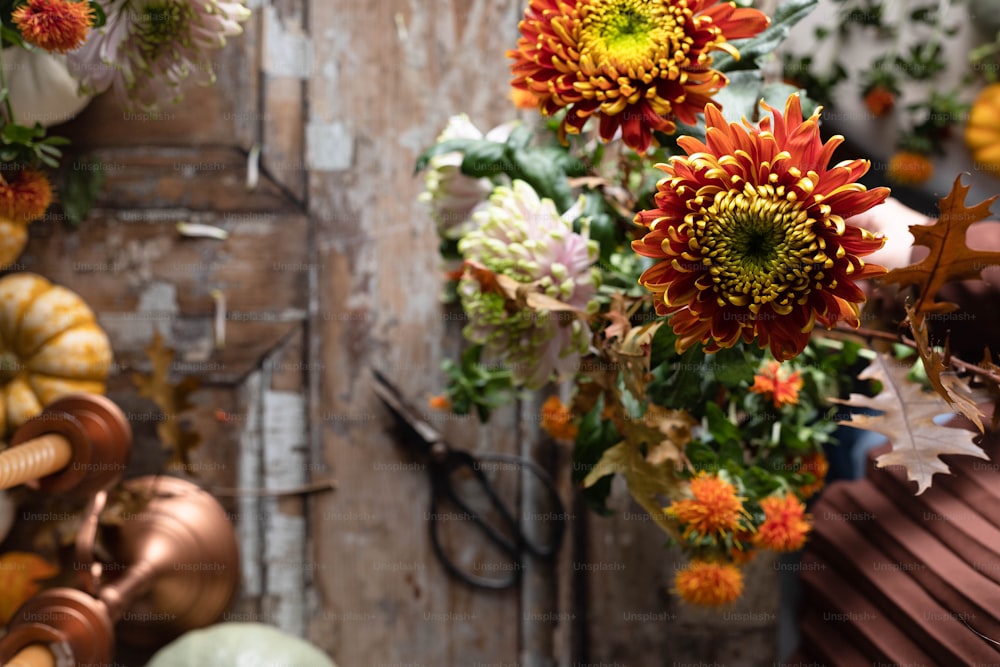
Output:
(785, 526)
(637, 64)
(557, 420)
(751, 233)
(910, 168)
(54, 25)
(783, 390)
(815, 464)
(709, 584)
(25, 197)
(879, 101)
(715, 508)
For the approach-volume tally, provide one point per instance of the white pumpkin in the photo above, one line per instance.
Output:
(239, 645)
(41, 87)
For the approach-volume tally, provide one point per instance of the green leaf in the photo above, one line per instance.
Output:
(788, 14)
(100, 18)
(519, 137)
(484, 158)
(12, 36)
(741, 98)
(440, 148)
(662, 347)
(17, 134)
(83, 185)
(593, 439)
(719, 427)
(544, 176)
(776, 94)
(731, 366)
(602, 225)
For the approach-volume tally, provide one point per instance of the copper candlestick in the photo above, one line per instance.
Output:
(80, 443)
(179, 570)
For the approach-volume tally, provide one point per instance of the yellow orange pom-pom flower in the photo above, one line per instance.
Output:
(709, 584)
(910, 168)
(26, 196)
(750, 234)
(715, 508)
(785, 526)
(783, 390)
(54, 25)
(557, 420)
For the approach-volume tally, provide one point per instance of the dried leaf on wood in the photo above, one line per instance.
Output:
(907, 419)
(947, 384)
(646, 481)
(20, 572)
(950, 258)
(172, 399)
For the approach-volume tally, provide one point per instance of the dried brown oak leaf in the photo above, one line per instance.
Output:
(647, 482)
(172, 399)
(907, 419)
(950, 258)
(945, 383)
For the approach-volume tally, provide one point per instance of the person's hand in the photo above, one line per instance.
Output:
(892, 220)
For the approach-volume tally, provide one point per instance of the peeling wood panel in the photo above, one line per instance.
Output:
(182, 177)
(387, 76)
(140, 275)
(286, 63)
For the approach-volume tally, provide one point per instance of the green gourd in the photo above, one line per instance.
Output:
(239, 645)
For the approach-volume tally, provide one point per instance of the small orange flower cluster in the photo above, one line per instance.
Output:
(715, 508)
(716, 511)
(910, 168)
(816, 465)
(557, 420)
(709, 583)
(785, 526)
(783, 390)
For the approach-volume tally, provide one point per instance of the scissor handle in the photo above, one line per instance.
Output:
(559, 522)
(441, 479)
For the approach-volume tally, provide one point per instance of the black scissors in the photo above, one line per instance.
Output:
(443, 462)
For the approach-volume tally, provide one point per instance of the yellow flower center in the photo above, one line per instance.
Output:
(624, 42)
(758, 249)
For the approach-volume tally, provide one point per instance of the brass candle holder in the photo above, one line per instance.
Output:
(175, 568)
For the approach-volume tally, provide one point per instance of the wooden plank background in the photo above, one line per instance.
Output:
(331, 270)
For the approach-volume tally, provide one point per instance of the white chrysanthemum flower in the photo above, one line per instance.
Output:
(523, 237)
(450, 195)
(148, 48)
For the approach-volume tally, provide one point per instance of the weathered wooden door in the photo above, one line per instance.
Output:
(330, 270)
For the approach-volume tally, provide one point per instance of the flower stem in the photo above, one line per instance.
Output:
(965, 366)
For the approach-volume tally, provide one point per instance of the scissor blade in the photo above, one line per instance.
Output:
(391, 396)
